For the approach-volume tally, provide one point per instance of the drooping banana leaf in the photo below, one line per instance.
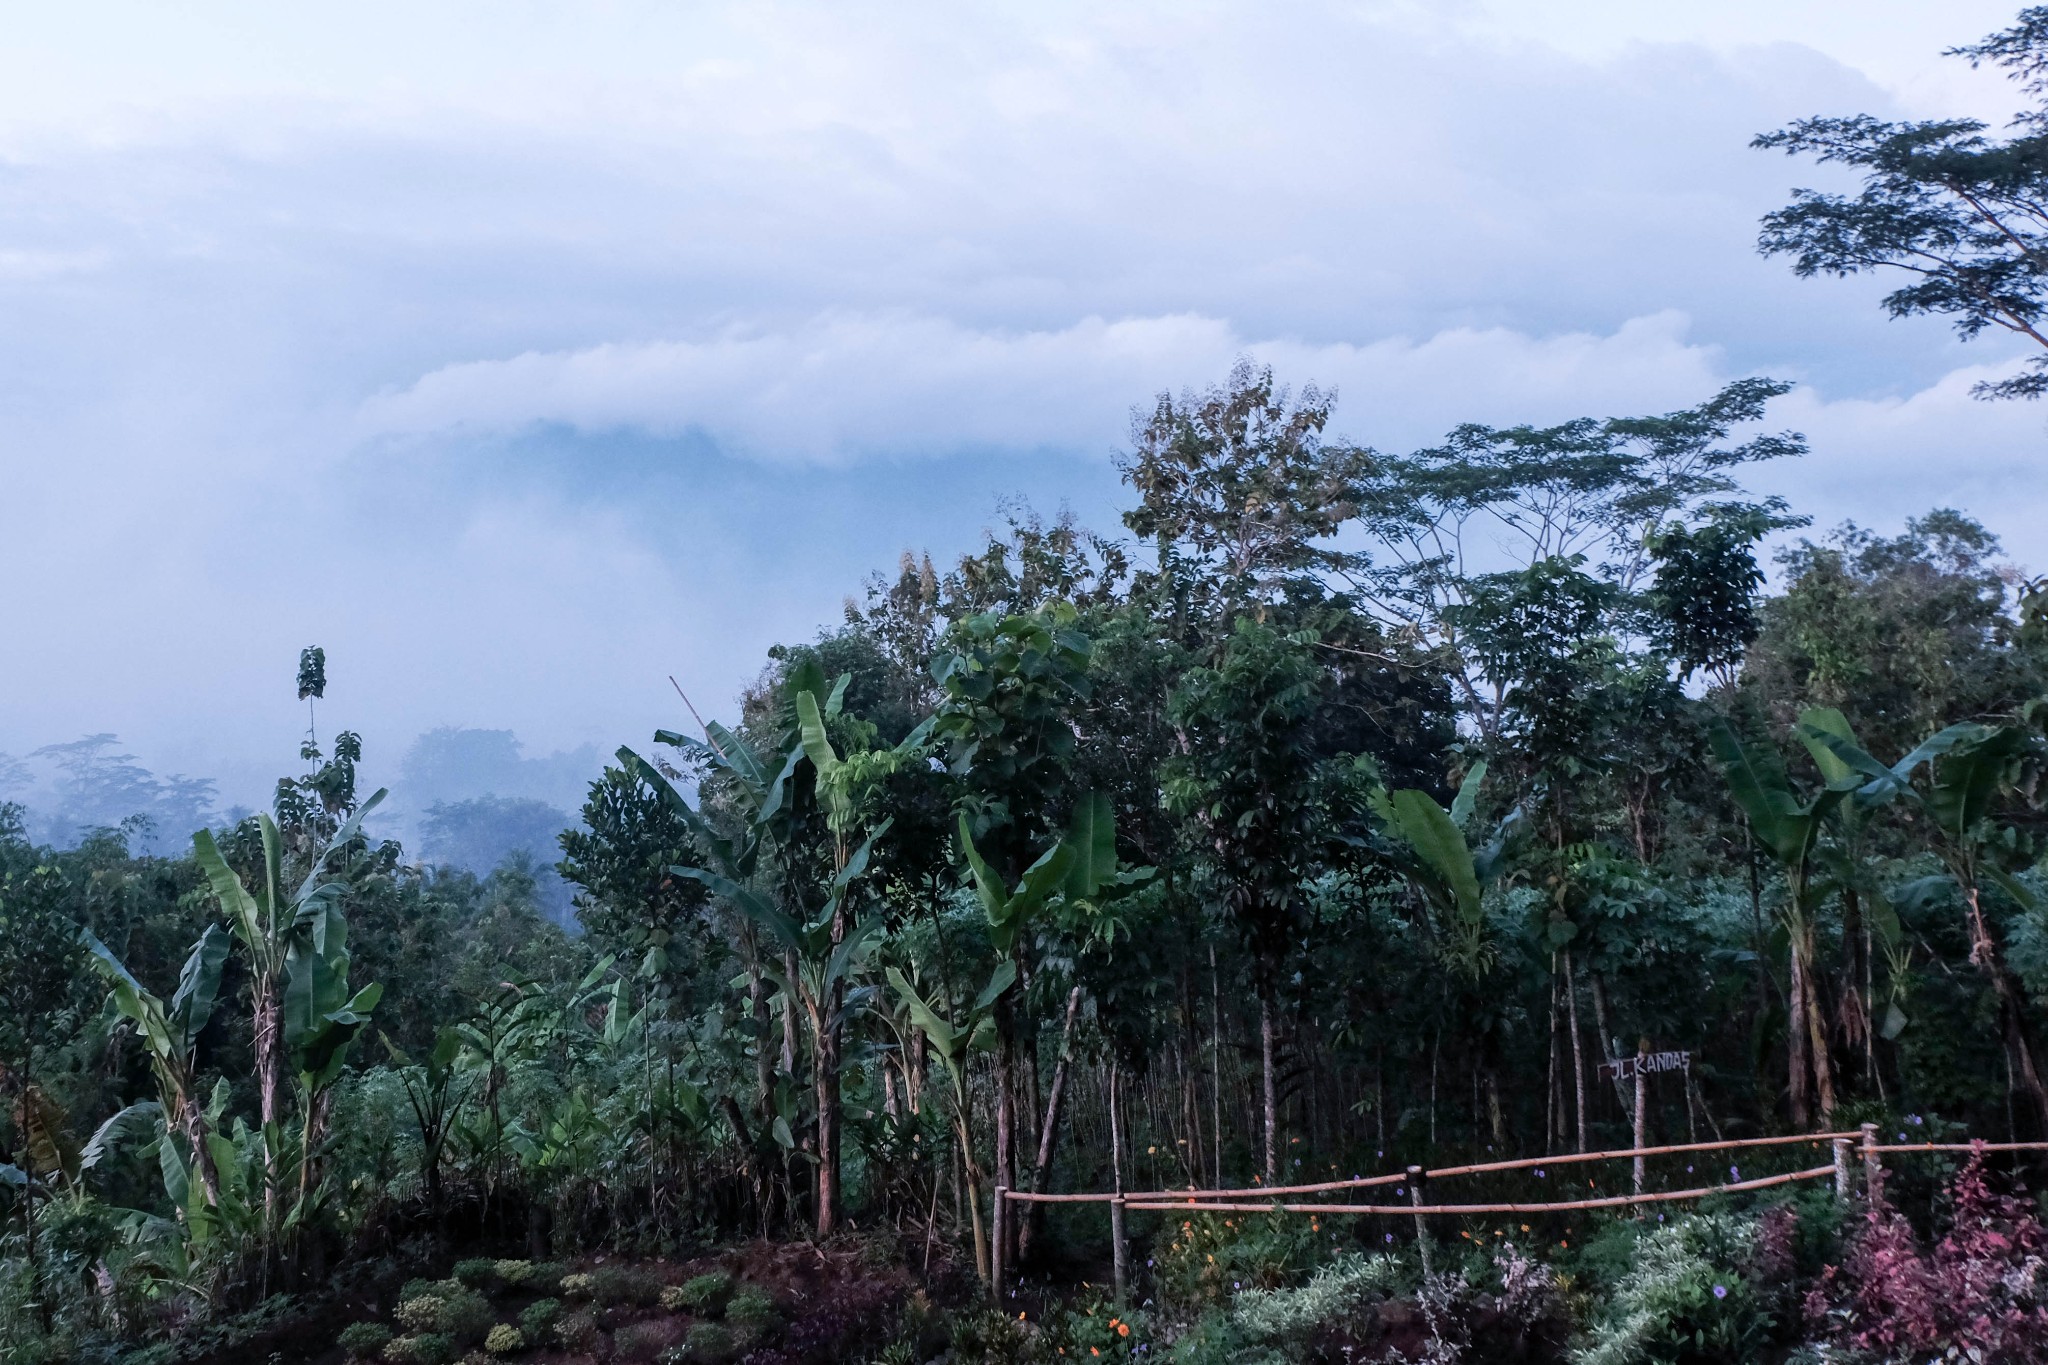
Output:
(138, 1120)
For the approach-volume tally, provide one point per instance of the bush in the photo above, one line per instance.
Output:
(578, 1332)
(752, 1307)
(427, 1348)
(466, 1317)
(1210, 1257)
(540, 1315)
(364, 1340)
(708, 1344)
(1982, 1290)
(504, 1340)
(578, 1286)
(613, 1285)
(512, 1274)
(421, 1313)
(1684, 1297)
(544, 1277)
(1273, 1315)
(642, 1340)
(704, 1295)
(480, 1273)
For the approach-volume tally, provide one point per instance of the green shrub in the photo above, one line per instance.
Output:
(578, 1332)
(1205, 1258)
(512, 1274)
(480, 1273)
(420, 1314)
(641, 1340)
(1683, 1297)
(752, 1307)
(364, 1340)
(466, 1317)
(708, 1344)
(615, 1284)
(540, 1315)
(504, 1340)
(544, 1277)
(704, 1295)
(578, 1286)
(1273, 1316)
(419, 1289)
(426, 1348)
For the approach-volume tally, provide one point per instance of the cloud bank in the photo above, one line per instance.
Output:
(523, 358)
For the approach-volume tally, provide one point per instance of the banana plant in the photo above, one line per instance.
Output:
(758, 873)
(824, 959)
(1968, 767)
(170, 1033)
(278, 929)
(954, 1044)
(434, 1089)
(1869, 917)
(1428, 843)
(322, 1018)
(1789, 827)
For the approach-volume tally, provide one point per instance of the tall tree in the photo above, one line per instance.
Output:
(1963, 214)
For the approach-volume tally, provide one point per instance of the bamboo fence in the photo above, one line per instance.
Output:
(1265, 1198)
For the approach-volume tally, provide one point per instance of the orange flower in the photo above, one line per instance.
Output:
(1123, 1329)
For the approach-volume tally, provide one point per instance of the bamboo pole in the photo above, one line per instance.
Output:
(1960, 1147)
(1251, 1190)
(1672, 1149)
(1873, 1169)
(1457, 1210)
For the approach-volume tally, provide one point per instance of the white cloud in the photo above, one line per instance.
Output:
(843, 386)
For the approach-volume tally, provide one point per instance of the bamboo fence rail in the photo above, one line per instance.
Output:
(1409, 1210)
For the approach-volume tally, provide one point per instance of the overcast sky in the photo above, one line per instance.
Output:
(524, 354)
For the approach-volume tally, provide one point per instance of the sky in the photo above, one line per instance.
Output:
(524, 355)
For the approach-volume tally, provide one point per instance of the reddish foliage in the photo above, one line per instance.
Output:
(1982, 1289)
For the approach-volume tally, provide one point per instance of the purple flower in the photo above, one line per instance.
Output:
(1720, 1291)
(1539, 1174)
(1390, 1237)
(1735, 1173)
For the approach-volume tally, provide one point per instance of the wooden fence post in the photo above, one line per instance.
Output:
(1642, 1114)
(1841, 1146)
(1873, 1169)
(1120, 1274)
(1415, 1178)
(996, 1238)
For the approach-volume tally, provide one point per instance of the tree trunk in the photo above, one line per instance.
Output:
(1571, 997)
(1817, 1036)
(268, 1041)
(1216, 1062)
(1048, 1135)
(1005, 1099)
(1797, 1037)
(1987, 957)
(1268, 1086)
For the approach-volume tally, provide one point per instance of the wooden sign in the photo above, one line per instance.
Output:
(1622, 1068)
